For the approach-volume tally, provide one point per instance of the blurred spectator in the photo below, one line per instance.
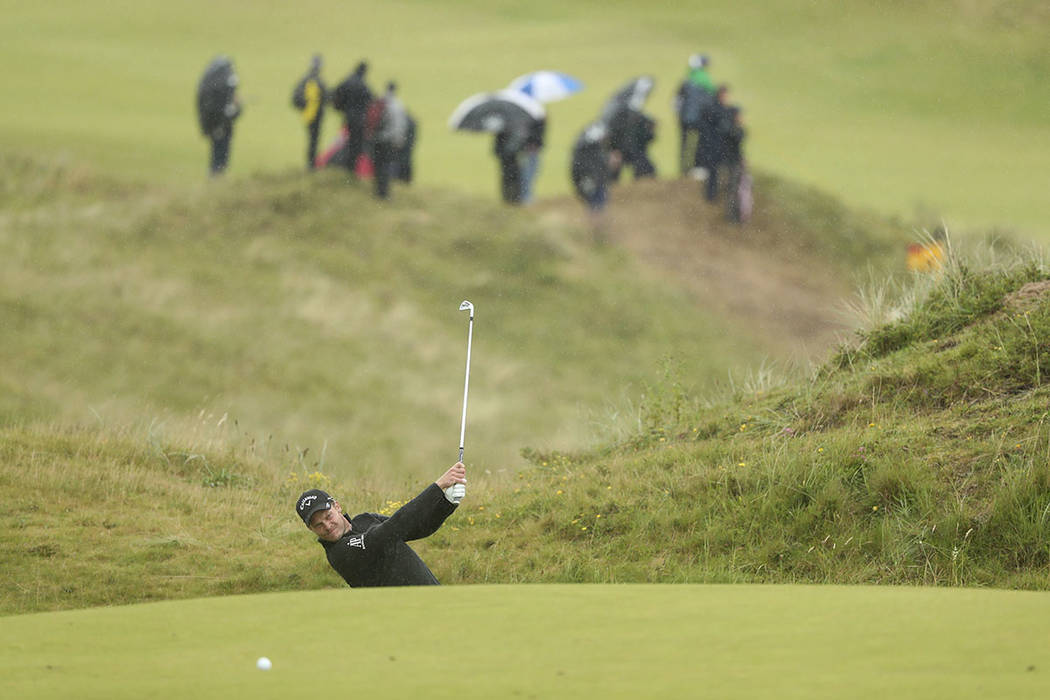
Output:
(737, 181)
(217, 108)
(591, 165)
(694, 93)
(508, 147)
(388, 132)
(630, 133)
(403, 169)
(352, 97)
(309, 98)
(714, 123)
(530, 157)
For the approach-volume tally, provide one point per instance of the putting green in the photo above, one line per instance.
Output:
(611, 641)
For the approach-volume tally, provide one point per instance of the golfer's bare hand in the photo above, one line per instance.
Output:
(457, 474)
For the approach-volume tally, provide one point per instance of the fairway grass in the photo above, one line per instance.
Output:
(620, 641)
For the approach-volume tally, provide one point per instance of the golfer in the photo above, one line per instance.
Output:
(369, 549)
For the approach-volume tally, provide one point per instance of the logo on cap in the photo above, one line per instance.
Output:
(311, 502)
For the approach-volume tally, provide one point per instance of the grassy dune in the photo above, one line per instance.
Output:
(933, 108)
(256, 311)
(917, 457)
(544, 641)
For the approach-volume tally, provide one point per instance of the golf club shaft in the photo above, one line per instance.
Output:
(466, 388)
(460, 490)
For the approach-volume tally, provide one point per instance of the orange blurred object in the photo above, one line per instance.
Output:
(925, 257)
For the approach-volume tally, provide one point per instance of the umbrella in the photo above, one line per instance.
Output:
(546, 85)
(496, 111)
(631, 96)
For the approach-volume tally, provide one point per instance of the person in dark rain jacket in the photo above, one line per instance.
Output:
(693, 95)
(352, 97)
(217, 108)
(736, 172)
(590, 166)
(370, 549)
(713, 126)
(507, 147)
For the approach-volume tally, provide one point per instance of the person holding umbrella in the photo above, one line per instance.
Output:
(543, 86)
(514, 118)
(508, 146)
(370, 549)
(630, 129)
(217, 108)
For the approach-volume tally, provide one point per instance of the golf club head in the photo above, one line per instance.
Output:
(467, 306)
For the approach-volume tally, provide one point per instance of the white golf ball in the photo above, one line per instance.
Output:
(263, 664)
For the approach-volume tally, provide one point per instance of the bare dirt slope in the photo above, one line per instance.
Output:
(756, 273)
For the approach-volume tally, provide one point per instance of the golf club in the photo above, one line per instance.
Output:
(460, 490)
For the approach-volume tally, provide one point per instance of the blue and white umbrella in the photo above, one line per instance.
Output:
(546, 85)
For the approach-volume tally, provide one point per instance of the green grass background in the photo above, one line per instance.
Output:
(129, 289)
(935, 107)
(544, 641)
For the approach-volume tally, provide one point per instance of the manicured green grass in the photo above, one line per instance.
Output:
(932, 108)
(544, 641)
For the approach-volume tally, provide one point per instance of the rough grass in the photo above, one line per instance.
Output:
(924, 464)
(896, 468)
(310, 316)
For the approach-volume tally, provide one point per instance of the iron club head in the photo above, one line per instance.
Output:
(467, 306)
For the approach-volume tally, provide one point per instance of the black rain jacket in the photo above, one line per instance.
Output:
(374, 552)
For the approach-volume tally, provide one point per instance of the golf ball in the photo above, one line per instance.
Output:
(263, 664)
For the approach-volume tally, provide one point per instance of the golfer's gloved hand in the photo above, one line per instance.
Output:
(454, 493)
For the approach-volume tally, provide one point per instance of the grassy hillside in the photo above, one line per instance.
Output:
(935, 108)
(917, 456)
(298, 314)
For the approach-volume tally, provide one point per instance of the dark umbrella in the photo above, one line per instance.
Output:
(631, 96)
(494, 112)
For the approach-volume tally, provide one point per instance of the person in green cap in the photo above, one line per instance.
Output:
(695, 92)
